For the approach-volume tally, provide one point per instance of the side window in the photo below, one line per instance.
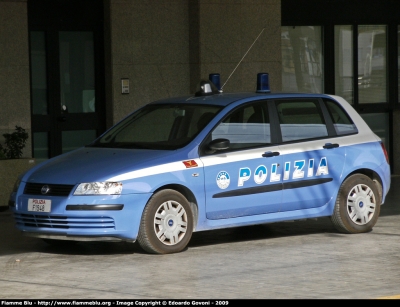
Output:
(341, 121)
(245, 127)
(300, 120)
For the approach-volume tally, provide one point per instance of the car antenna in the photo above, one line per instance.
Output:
(242, 58)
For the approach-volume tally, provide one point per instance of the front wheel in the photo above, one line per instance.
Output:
(357, 205)
(167, 223)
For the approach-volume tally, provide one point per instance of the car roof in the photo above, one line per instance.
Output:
(224, 99)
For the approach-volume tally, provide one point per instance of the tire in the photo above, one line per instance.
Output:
(357, 205)
(167, 223)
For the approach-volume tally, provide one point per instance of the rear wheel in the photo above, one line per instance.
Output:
(167, 223)
(357, 205)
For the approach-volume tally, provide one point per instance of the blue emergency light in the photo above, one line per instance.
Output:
(215, 78)
(263, 83)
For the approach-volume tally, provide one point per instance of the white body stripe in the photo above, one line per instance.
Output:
(155, 170)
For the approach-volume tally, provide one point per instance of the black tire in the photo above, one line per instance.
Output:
(167, 223)
(357, 205)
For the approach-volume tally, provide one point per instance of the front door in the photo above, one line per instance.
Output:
(67, 78)
(244, 180)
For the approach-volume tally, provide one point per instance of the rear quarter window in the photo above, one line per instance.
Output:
(341, 120)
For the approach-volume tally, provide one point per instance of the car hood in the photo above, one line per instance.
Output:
(95, 164)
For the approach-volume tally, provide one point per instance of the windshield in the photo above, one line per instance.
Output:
(159, 127)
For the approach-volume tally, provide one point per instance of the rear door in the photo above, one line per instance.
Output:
(312, 158)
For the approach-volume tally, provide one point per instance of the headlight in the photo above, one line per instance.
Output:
(99, 188)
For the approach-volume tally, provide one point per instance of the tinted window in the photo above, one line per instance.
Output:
(159, 127)
(301, 120)
(245, 127)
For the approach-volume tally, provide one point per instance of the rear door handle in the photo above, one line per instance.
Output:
(270, 154)
(330, 145)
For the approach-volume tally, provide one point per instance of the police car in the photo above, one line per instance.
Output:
(209, 161)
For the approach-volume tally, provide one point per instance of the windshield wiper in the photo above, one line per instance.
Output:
(120, 145)
(131, 145)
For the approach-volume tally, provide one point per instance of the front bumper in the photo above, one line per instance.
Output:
(83, 218)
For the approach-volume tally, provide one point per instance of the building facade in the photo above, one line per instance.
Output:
(69, 69)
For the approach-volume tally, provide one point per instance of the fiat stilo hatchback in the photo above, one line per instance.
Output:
(209, 161)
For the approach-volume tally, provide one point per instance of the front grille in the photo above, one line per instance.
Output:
(55, 189)
(63, 222)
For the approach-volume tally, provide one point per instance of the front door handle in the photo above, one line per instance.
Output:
(62, 118)
(330, 145)
(270, 154)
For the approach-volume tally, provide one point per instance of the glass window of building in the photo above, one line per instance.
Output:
(372, 72)
(302, 59)
(38, 72)
(398, 62)
(344, 62)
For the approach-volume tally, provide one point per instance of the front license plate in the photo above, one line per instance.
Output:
(39, 205)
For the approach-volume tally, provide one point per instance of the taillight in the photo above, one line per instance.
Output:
(385, 152)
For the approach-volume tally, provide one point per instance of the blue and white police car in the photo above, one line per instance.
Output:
(209, 161)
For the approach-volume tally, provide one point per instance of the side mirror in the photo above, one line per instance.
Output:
(219, 144)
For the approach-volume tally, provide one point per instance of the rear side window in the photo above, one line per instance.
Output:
(300, 120)
(341, 120)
